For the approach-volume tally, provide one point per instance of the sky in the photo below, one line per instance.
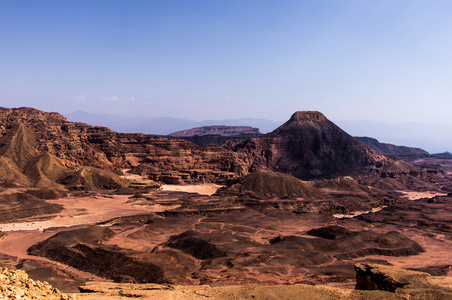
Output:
(387, 61)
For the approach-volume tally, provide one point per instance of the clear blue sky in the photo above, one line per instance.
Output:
(377, 60)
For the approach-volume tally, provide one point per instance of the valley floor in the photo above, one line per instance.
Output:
(240, 243)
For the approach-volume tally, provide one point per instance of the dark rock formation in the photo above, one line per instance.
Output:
(308, 146)
(432, 215)
(329, 232)
(416, 285)
(18, 205)
(444, 155)
(78, 249)
(393, 150)
(267, 184)
(217, 134)
(78, 144)
(220, 130)
(341, 244)
(194, 246)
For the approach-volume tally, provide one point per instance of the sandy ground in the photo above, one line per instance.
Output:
(18, 237)
(202, 189)
(420, 195)
(87, 210)
(358, 213)
(438, 252)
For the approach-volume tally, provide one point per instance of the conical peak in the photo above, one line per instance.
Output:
(313, 116)
(301, 120)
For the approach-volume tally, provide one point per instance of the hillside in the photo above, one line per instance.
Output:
(266, 184)
(393, 150)
(309, 145)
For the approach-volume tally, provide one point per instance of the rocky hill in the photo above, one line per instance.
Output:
(445, 155)
(23, 161)
(218, 130)
(266, 184)
(217, 134)
(309, 146)
(78, 144)
(393, 150)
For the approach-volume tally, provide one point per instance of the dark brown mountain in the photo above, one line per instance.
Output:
(393, 150)
(219, 134)
(267, 184)
(444, 155)
(218, 130)
(308, 146)
(25, 160)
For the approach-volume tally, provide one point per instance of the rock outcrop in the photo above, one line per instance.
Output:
(79, 144)
(416, 285)
(18, 205)
(433, 215)
(393, 150)
(266, 184)
(373, 282)
(444, 155)
(308, 146)
(79, 249)
(17, 285)
(217, 134)
(219, 130)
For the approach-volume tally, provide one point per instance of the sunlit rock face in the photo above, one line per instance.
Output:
(77, 144)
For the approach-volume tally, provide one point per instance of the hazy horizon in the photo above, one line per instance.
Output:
(432, 137)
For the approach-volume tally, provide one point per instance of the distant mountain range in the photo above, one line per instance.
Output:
(434, 138)
(446, 155)
(162, 126)
(393, 150)
(217, 134)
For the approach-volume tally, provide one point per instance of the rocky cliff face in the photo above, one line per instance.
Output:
(415, 285)
(308, 146)
(393, 150)
(81, 144)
